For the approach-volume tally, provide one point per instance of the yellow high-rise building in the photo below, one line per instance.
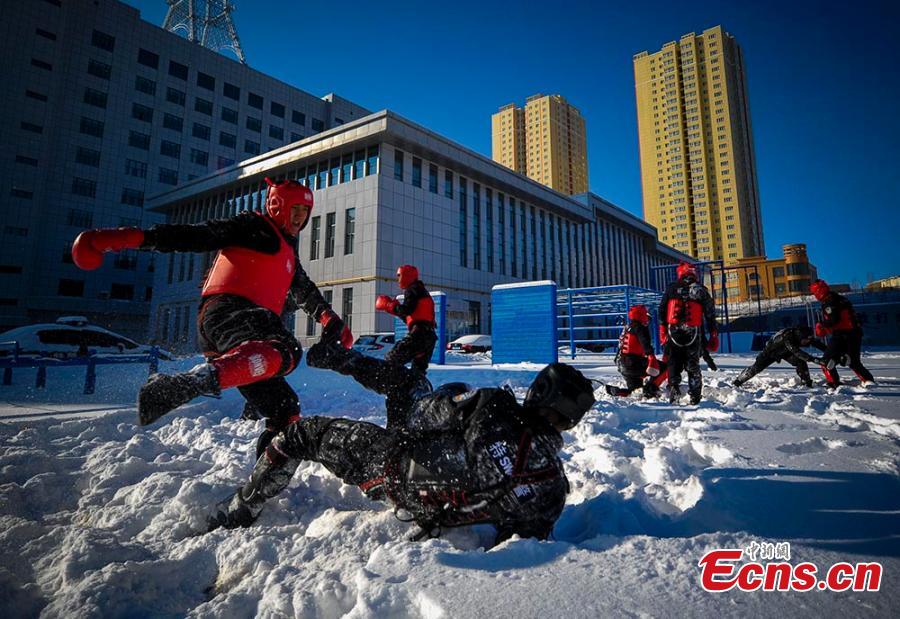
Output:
(698, 169)
(545, 141)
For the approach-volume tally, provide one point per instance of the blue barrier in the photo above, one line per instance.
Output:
(591, 319)
(18, 360)
(523, 317)
(439, 356)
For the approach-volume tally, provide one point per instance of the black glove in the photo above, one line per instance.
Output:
(332, 327)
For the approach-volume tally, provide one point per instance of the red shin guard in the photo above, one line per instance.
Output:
(247, 363)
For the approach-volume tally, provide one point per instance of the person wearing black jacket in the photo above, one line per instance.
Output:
(840, 322)
(786, 345)
(417, 310)
(239, 321)
(450, 457)
(685, 310)
(635, 358)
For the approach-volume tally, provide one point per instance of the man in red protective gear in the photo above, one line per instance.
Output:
(417, 310)
(635, 358)
(239, 322)
(686, 308)
(840, 322)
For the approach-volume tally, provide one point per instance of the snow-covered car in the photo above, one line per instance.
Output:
(471, 343)
(70, 336)
(374, 342)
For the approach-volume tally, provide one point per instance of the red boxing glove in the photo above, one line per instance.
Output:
(712, 344)
(822, 330)
(386, 303)
(652, 366)
(334, 329)
(663, 335)
(87, 251)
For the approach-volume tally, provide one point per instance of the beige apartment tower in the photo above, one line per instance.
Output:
(545, 141)
(698, 169)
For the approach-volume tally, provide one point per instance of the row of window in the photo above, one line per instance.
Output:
(330, 233)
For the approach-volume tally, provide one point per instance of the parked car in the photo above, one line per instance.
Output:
(471, 343)
(374, 342)
(70, 336)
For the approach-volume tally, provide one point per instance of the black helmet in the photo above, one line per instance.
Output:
(565, 391)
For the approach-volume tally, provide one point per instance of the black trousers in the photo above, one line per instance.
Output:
(763, 361)
(846, 343)
(681, 358)
(226, 321)
(417, 346)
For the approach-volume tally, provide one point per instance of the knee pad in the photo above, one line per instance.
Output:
(248, 363)
(291, 353)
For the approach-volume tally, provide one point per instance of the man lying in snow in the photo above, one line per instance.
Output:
(786, 345)
(450, 457)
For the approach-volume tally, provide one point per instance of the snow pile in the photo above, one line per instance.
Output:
(101, 517)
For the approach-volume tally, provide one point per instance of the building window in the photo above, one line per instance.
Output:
(139, 140)
(489, 228)
(298, 118)
(35, 95)
(201, 131)
(144, 85)
(176, 69)
(15, 231)
(329, 234)
(347, 307)
(40, 64)
(203, 106)
(501, 228)
(314, 238)
(175, 123)
(251, 147)
(84, 187)
(372, 164)
(31, 161)
(95, 98)
(132, 197)
(349, 230)
(15, 192)
(432, 178)
(276, 109)
(254, 124)
(173, 95)
(359, 164)
(148, 59)
(322, 179)
(167, 176)
(229, 115)
(398, 165)
(254, 100)
(296, 137)
(463, 232)
(231, 91)
(32, 127)
(417, 172)
(476, 226)
(276, 132)
(88, 156)
(142, 112)
(778, 272)
(335, 171)
(448, 184)
(317, 125)
(46, 34)
(200, 157)
(80, 218)
(346, 167)
(228, 140)
(512, 238)
(224, 162)
(121, 292)
(170, 149)
(70, 288)
(135, 168)
(99, 69)
(206, 81)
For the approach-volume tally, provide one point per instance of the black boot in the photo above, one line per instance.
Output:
(271, 475)
(674, 394)
(650, 390)
(696, 397)
(328, 356)
(165, 392)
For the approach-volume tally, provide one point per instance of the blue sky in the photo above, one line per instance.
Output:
(824, 85)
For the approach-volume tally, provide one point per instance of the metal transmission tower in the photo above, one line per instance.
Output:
(206, 22)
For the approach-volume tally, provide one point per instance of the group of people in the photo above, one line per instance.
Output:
(688, 331)
(448, 456)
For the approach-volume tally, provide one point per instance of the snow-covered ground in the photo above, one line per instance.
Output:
(99, 517)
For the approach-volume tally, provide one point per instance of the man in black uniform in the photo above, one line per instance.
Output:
(448, 458)
(635, 358)
(686, 305)
(840, 322)
(239, 321)
(417, 310)
(786, 345)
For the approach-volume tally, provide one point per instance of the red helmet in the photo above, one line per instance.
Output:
(282, 196)
(686, 269)
(406, 275)
(639, 313)
(820, 289)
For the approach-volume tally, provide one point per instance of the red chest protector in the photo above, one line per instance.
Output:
(424, 312)
(846, 320)
(262, 278)
(630, 344)
(684, 312)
